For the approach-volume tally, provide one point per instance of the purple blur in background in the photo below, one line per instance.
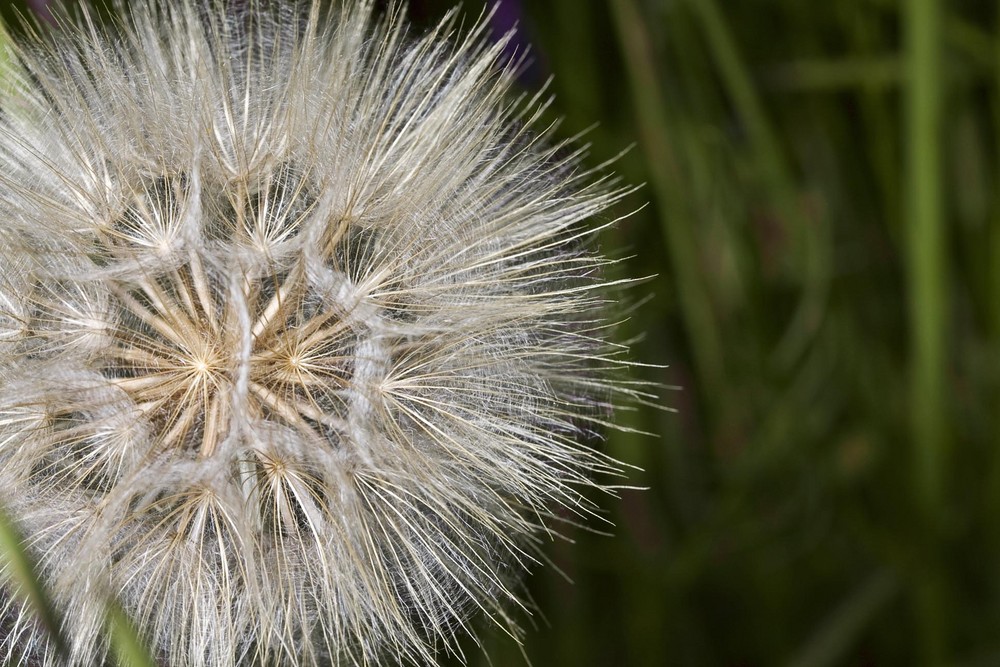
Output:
(508, 15)
(42, 9)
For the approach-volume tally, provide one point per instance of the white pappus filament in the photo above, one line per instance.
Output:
(300, 337)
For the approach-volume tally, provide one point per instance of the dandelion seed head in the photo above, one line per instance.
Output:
(299, 333)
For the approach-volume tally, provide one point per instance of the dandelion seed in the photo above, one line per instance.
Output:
(299, 335)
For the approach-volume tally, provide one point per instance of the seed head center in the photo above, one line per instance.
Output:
(201, 366)
(178, 354)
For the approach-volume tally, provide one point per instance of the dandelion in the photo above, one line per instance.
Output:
(300, 337)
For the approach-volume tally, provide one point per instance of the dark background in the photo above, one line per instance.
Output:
(824, 231)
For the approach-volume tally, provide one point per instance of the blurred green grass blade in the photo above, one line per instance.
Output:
(20, 571)
(128, 649)
(885, 71)
(993, 288)
(926, 252)
(971, 40)
(675, 224)
(813, 75)
(125, 643)
(928, 312)
(812, 241)
(832, 642)
(741, 88)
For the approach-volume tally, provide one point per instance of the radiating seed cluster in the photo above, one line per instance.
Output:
(299, 338)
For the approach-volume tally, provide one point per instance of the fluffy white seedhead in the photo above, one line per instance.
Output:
(299, 338)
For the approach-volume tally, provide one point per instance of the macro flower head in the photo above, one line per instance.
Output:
(302, 344)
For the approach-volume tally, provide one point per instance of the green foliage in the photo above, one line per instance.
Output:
(19, 570)
(825, 229)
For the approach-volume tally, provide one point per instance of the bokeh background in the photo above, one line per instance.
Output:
(822, 240)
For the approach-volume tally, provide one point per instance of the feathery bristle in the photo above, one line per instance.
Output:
(299, 335)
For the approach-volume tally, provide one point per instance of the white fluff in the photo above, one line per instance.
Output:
(299, 337)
